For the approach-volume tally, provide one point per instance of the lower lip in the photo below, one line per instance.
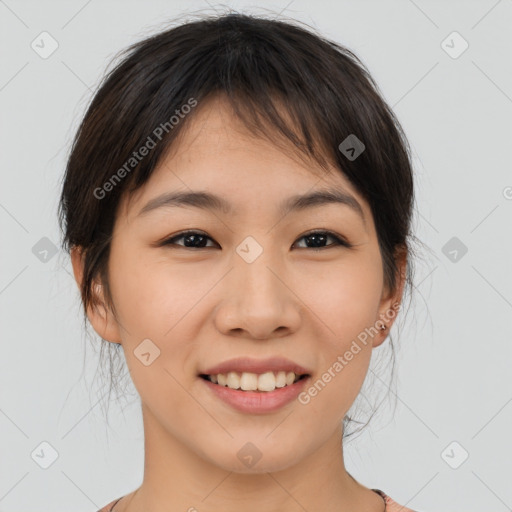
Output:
(257, 402)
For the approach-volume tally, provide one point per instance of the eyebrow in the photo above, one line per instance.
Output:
(209, 201)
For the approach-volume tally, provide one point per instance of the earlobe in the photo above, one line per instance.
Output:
(385, 322)
(383, 331)
(99, 315)
(390, 304)
(101, 318)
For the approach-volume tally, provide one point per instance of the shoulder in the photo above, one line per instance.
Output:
(392, 505)
(109, 506)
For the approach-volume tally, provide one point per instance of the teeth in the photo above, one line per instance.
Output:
(233, 381)
(247, 381)
(267, 381)
(251, 381)
(281, 379)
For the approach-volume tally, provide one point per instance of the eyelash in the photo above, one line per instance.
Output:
(339, 241)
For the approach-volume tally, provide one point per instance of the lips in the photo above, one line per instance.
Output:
(258, 366)
(256, 402)
(249, 386)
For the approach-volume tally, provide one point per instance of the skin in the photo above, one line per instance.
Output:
(204, 306)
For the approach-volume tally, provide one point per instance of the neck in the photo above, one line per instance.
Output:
(176, 478)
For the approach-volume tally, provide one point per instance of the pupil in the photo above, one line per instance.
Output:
(189, 238)
(316, 238)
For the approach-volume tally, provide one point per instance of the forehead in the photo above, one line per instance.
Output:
(217, 153)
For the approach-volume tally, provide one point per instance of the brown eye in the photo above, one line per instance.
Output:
(318, 238)
(192, 240)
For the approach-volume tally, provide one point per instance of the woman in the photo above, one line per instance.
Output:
(237, 208)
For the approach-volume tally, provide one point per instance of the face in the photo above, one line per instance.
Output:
(250, 283)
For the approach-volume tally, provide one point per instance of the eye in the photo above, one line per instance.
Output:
(198, 240)
(317, 238)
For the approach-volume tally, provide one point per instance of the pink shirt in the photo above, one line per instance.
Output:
(391, 505)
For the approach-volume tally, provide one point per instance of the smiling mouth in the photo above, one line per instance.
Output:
(263, 382)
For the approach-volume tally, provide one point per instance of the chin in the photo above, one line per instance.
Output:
(254, 457)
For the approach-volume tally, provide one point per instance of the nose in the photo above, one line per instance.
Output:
(257, 302)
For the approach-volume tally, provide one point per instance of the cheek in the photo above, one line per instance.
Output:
(155, 300)
(345, 297)
(151, 295)
(152, 304)
(346, 301)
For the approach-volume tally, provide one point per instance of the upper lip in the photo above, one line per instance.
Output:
(247, 364)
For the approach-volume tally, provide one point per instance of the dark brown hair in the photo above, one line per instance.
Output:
(261, 66)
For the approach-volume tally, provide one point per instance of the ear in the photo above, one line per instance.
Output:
(98, 313)
(390, 301)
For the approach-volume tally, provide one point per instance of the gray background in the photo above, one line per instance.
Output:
(456, 348)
